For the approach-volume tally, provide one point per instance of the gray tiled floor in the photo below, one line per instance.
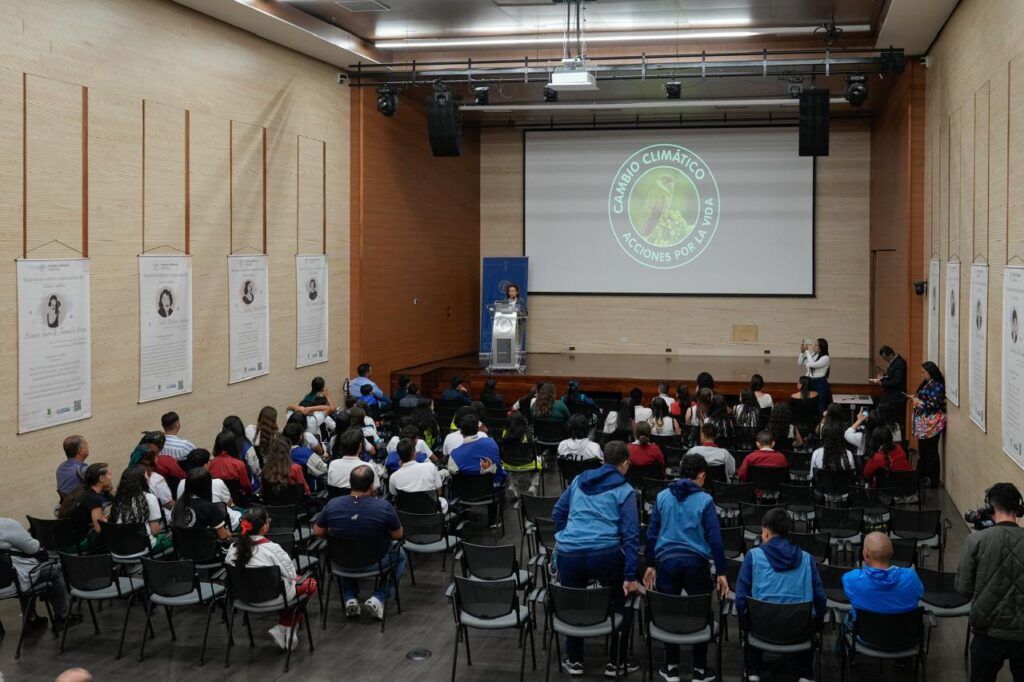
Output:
(349, 650)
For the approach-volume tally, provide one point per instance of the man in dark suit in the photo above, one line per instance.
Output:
(894, 384)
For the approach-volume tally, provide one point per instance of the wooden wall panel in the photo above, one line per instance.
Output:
(183, 61)
(1015, 158)
(248, 187)
(966, 186)
(55, 129)
(165, 184)
(598, 324)
(310, 191)
(980, 170)
(954, 180)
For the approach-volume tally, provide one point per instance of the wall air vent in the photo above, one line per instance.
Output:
(362, 5)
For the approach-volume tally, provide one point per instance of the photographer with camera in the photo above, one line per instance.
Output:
(991, 573)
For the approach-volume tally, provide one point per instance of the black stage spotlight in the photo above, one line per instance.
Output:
(550, 94)
(482, 95)
(856, 89)
(673, 89)
(387, 100)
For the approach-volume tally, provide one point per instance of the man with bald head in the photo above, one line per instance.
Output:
(878, 585)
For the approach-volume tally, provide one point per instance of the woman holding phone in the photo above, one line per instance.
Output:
(929, 421)
(816, 362)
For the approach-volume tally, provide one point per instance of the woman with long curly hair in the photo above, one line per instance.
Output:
(134, 503)
(546, 407)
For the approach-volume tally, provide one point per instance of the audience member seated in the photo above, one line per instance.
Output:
(779, 572)
(226, 465)
(619, 423)
(701, 409)
(133, 503)
(200, 459)
(363, 378)
(523, 476)
(721, 417)
(712, 454)
(640, 413)
(196, 510)
(644, 453)
(804, 396)
(415, 476)
(174, 445)
(252, 550)
(546, 408)
(598, 535)
(71, 470)
(757, 386)
(406, 430)
(33, 566)
(888, 456)
(705, 380)
(457, 392)
(280, 471)
(369, 402)
(158, 485)
(683, 538)
(878, 585)
(454, 439)
(682, 402)
(87, 505)
(663, 394)
(765, 456)
(403, 389)
(576, 399)
(360, 419)
(832, 455)
(478, 455)
(661, 421)
(411, 398)
(748, 412)
(313, 466)
(348, 446)
(259, 433)
(364, 515)
(578, 447)
(489, 396)
(246, 449)
(780, 423)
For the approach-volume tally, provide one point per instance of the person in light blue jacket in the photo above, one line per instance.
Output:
(878, 585)
(683, 537)
(779, 572)
(598, 536)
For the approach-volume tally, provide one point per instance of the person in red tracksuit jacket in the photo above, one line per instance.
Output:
(765, 456)
(888, 456)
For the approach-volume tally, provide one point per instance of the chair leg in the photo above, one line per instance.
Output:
(465, 641)
(327, 602)
(288, 641)
(248, 627)
(206, 631)
(533, 649)
(67, 623)
(124, 627)
(148, 610)
(309, 628)
(455, 651)
(967, 640)
(92, 612)
(522, 658)
(170, 623)
(547, 645)
(231, 639)
(30, 608)
(412, 572)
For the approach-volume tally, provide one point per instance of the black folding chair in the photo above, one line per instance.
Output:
(732, 540)
(532, 507)
(799, 501)
(845, 526)
(172, 584)
(766, 480)
(55, 535)
(907, 486)
(799, 464)
(200, 546)
(942, 600)
(523, 457)
(832, 582)
(491, 563)
(477, 491)
(673, 456)
(636, 474)
(425, 534)
(751, 516)
(728, 498)
(780, 629)
(876, 503)
(833, 486)
(334, 491)
(818, 545)
(924, 527)
(717, 473)
(547, 434)
(569, 469)
(128, 543)
(680, 620)
(579, 612)
(293, 495)
(425, 502)
(11, 588)
(886, 636)
(259, 590)
(490, 605)
(357, 558)
(93, 578)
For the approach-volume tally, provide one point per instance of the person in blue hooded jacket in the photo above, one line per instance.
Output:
(878, 585)
(683, 536)
(779, 572)
(598, 535)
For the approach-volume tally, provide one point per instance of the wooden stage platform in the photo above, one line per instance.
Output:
(618, 373)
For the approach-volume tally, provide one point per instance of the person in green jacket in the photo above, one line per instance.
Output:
(546, 408)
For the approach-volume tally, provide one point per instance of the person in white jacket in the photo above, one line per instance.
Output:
(252, 549)
(816, 362)
(578, 447)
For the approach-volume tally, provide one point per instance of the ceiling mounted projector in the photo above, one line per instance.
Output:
(572, 76)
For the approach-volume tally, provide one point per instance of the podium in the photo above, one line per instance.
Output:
(508, 337)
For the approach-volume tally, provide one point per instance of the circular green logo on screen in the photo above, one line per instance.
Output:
(663, 206)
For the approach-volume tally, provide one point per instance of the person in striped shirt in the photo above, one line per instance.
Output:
(175, 447)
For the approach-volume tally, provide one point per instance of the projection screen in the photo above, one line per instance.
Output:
(669, 211)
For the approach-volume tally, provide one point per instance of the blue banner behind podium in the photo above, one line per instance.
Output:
(498, 273)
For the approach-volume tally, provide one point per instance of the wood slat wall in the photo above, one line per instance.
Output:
(127, 53)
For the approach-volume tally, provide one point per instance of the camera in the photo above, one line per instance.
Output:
(980, 518)
(921, 287)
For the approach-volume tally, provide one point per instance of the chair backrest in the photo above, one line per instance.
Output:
(548, 431)
(677, 614)
(666, 442)
(833, 481)
(799, 461)
(732, 492)
(924, 522)
(285, 516)
(636, 474)
(546, 532)
(829, 518)
(170, 578)
(767, 478)
(890, 631)
(651, 487)
(569, 469)
(125, 539)
(54, 534)
(871, 498)
(423, 502)
(489, 562)
(284, 537)
(291, 495)
(534, 507)
(334, 491)
(88, 573)
(517, 454)
(485, 599)
(752, 514)
(473, 487)
(940, 588)
(906, 483)
(904, 552)
(779, 623)
(717, 473)
(254, 584)
(357, 553)
(818, 545)
(580, 607)
(422, 529)
(235, 488)
(797, 494)
(732, 540)
(673, 454)
(197, 544)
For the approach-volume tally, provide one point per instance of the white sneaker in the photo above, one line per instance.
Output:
(280, 636)
(352, 609)
(753, 678)
(373, 607)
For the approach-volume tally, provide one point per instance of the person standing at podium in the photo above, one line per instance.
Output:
(512, 291)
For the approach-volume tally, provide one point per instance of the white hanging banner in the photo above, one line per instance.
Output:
(933, 311)
(1013, 363)
(54, 343)
(977, 367)
(249, 318)
(165, 320)
(952, 369)
(311, 310)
